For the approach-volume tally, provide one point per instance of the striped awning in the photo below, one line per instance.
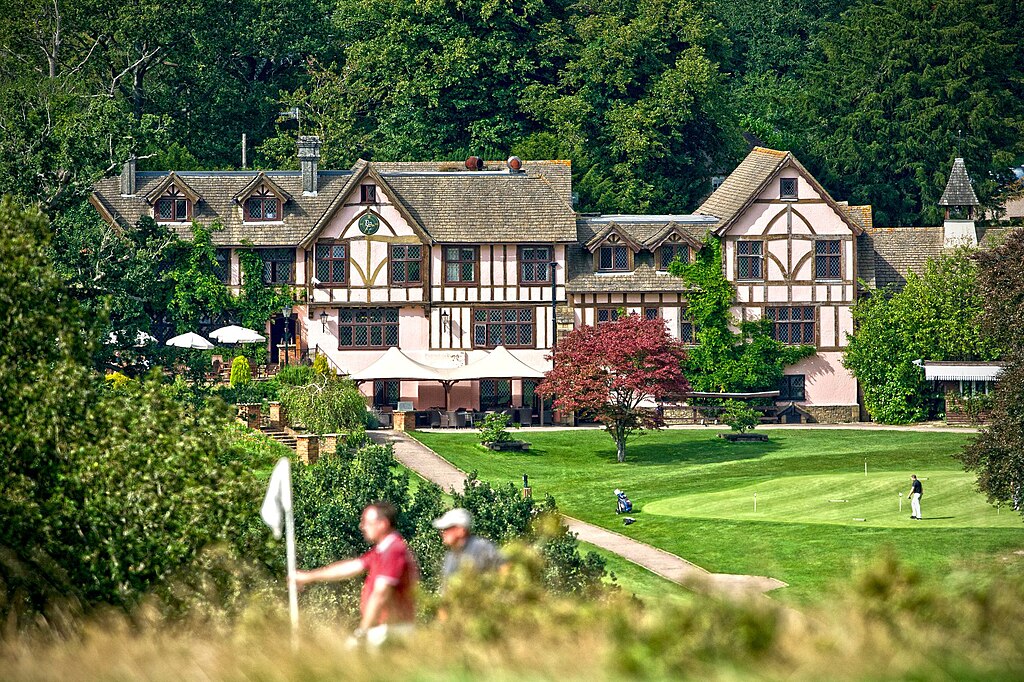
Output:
(962, 371)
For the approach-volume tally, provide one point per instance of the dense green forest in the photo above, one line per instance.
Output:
(649, 98)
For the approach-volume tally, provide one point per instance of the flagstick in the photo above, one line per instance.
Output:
(293, 592)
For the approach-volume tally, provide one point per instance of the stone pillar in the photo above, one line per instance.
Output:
(405, 421)
(328, 444)
(277, 416)
(250, 414)
(307, 447)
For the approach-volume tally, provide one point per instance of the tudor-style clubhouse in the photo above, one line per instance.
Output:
(447, 261)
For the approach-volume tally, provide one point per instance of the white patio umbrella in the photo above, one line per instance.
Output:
(190, 340)
(395, 364)
(233, 334)
(141, 339)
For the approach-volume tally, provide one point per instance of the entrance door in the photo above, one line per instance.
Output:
(281, 332)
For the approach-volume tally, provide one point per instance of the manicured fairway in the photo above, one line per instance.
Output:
(694, 497)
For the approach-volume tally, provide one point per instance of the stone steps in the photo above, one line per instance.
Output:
(282, 437)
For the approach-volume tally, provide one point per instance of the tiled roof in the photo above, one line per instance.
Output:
(899, 250)
(644, 232)
(958, 189)
(991, 237)
(743, 183)
(644, 278)
(217, 191)
(450, 203)
(488, 206)
(861, 214)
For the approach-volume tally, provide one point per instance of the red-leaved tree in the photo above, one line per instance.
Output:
(616, 370)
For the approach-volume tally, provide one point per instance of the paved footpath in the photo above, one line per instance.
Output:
(427, 463)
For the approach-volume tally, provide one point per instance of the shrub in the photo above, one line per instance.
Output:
(241, 373)
(116, 381)
(296, 375)
(740, 416)
(494, 429)
(321, 366)
(325, 405)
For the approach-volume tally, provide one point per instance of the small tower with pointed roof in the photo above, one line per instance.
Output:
(959, 201)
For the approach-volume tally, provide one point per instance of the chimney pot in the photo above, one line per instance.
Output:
(309, 162)
(128, 177)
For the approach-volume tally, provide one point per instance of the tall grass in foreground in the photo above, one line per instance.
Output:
(887, 624)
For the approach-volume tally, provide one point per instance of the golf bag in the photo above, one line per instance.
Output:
(623, 505)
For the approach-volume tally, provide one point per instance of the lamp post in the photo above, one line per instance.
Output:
(286, 313)
(445, 321)
(323, 321)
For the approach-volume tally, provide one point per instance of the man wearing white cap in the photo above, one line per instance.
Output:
(464, 549)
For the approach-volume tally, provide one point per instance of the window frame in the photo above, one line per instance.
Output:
(381, 386)
(368, 194)
(445, 262)
(663, 263)
(495, 383)
(521, 261)
(224, 278)
(612, 314)
(758, 258)
(786, 388)
(792, 323)
(488, 323)
(393, 261)
(291, 264)
(789, 196)
(331, 259)
(597, 258)
(352, 324)
(174, 196)
(837, 256)
(263, 195)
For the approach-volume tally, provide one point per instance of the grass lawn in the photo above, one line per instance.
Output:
(693, 496)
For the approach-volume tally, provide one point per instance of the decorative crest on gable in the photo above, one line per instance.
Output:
(612, 234)
(261, 184)
(172, 184)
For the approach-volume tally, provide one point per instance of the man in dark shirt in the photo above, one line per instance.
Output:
(387, 602)
(916, 491)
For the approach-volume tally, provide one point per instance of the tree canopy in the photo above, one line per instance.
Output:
(615, 371)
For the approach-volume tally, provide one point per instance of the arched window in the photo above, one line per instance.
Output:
(173, 207)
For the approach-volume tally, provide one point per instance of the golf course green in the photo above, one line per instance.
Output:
(693, 496)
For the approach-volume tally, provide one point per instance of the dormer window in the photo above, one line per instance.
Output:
(263, 205)
(173, 207)
(613, 259)
(368, 194)
(669, 252)
(787, 188)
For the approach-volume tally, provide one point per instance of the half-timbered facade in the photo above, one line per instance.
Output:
(449, 260)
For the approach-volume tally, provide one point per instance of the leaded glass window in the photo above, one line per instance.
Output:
(535, 264)
(828, 259)
(460, 264)
(406, 264)
(278, 265)
(332, 263)
(750, 259)
(793, 324)
(613, 258)
(360, 328)
(503, 327)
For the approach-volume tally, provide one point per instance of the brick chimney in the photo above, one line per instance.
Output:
(309, 161)
(128, 177)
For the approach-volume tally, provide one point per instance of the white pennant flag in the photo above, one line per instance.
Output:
(278, 500)
(277, 513)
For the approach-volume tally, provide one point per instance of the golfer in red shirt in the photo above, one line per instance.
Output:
(387, 602)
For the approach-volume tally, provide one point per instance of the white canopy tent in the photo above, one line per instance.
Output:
(498, 364)
(395, 364)
(233, 334)
(190, 340)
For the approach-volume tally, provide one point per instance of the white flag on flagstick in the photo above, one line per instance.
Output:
(277, 512)
(278, 500)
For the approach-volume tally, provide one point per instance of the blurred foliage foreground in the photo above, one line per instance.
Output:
(887, 623)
